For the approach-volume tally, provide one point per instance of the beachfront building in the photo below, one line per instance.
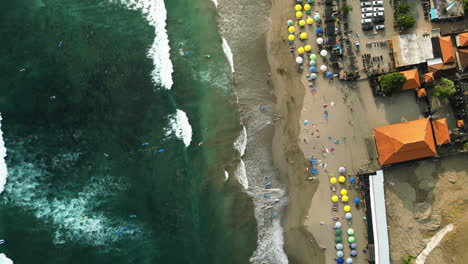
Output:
(410, 140)
(462, 53)
(446, 9)
(412, 79)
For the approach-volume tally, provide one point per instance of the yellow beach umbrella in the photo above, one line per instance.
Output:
(334, 198)
(344, 192)
(344, 198)
(301, 22)
(298, 7)
(291, 37)
(306, 7)
(291, 29)
(307, 47)
(300, 50)
(347, 208)
(341, 179)
(303, 35)
(333, 180)
(298, 14)
(309, 21)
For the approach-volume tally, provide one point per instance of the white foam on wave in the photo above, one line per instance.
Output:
(241, 175)
(241, 142)
(156, 14)
(226, 175)
(5, 260)
(215, 2)
(228, 53)
(179, 126)
(3, 166)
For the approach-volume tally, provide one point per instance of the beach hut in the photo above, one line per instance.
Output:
(349, 261)
(339, 254)
(291, 38)
(312, 69)
(323, 68)
(307, 8)
(350, 231)
(338, 232)
(333, 180)
(341, 179)
(338, 239)
(313, 56)
(351, 239)
(309, 21)
(290, 22)
(353, 245)
(323, 53)
(344, 198)
(357, 200)
(347, 208)
(298, 14)
(349, 216)
(339, 246)
(344, 192)
(337, 225)
(329, 75)
(320, 41)
(319, 30)
(298, 7)
(313, 76)
(300, 50)
(312, 63)
(334, 198)
(307, 48)
(340, 260)
(303, 35)
(341, 169)
(291, 29)
(353, 253)
(299, 60)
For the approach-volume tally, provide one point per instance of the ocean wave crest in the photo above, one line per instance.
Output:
(241, 142)
(156, 14)
(241, 175)
(179, 126)
(3, 166)
(5, 260)
(228, 52)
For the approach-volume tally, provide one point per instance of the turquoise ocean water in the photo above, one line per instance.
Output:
(105, 164)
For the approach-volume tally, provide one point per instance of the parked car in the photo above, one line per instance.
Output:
(366, 21)
(379, 27)
(378, 19)
(366, 9)
(366, 27)
(377, 3)
(363, 4)
(378, 14)
(378, 9)
(366, 15)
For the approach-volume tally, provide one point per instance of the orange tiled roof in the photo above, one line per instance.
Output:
(463, 55)
(441, 131)
(429, 77)
(448, 55)
(421, 92)
(412, 79)
(460, 123)
(463, 38)
(405, 141)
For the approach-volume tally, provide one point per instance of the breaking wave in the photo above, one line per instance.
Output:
(3, 166)
(241, 142)
(179, 126)
(241, 175)
(228, 53)
(5, 260)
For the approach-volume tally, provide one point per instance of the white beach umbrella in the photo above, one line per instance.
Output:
(323, 53)
(299, 60)
(313, 76)
(339, 254)
(312, 63)
(349, 260)
(339, 246)
(320, 41)
(323, 68)
(338, 225)
(349, 216)
(341, 169)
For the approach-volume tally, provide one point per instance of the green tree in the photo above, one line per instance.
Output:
(444, 88)
(404, 21)
(465, 5)
(403, 8)
(408, 259)
(347, 8)
(391, 82)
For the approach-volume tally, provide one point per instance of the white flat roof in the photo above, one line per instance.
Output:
(412, 49)
(379, 218)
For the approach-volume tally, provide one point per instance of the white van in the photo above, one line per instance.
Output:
(363, 4)
(377, 3)
(379, 9)
(366, 21)
(378, 14)
(379, 27)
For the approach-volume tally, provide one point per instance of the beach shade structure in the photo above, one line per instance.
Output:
(352, 179)
(298, 7)
(302, 23)
(341, 169)
(317, 17)
(337, 225)
(333, 180)
(307, 47)
(349, 261)
(334, 198)
(313, 57)
(323, 68)
(303, 35)
(341, 179)
(338, 232)
(353, 253)
(290, 22)
(351, 239)
(291, 37)
(350, 231)
(298, 14)
(349, 216)
(320, 41)
(357, 200)
(347, 208)
(312, 63)
(329, 75)
(312, 69)
(291, 29)
(353, 245)
(319, 30)
(344, 192)
(307, 8)
(340, 260)
(323, 53)
(344, 198)
(339, 246)
(339, 254)
(299, 60)
(300, 50)
(338, 239)
(309, 21)
(313, 76)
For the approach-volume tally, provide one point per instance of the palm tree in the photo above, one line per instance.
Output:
(408, 259)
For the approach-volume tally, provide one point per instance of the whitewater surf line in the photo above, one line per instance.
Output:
(5, 260)
(228, 53)
(179, 126)
(3, 166)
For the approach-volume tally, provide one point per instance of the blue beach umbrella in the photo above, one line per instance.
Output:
(329, 74)
(312, 69)
(357, 200)
(340, 260)
(319, 30)
(352, 179)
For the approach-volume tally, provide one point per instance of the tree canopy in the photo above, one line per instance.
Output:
(403, 8)
(404, 21)
(391, 82)
(444, 88)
